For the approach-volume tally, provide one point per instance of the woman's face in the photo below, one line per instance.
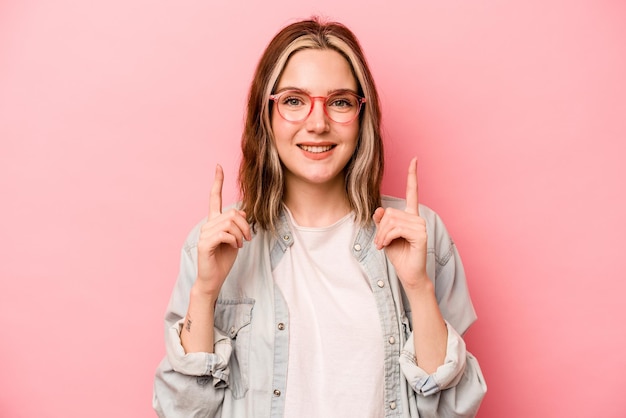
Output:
(317, 149)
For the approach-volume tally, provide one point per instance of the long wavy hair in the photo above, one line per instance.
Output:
(261, 177)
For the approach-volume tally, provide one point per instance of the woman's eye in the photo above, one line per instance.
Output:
(341, 102)
(293, 101)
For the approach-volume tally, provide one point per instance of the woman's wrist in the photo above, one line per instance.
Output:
(419, 285)
(203, 290)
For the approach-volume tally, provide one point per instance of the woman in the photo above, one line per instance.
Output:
(315, 297)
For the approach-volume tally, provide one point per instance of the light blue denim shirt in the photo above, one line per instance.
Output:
(246, 375)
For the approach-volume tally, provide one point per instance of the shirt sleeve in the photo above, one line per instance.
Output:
(447, 375)
(189, 384)
(457, 387)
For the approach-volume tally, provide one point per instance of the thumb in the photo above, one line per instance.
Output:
(378, 215)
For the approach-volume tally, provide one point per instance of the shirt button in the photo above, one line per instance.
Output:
(276, 392)
(392, 340)
(232, 331)
(286, 237)
(380, 283)
(357, 247)
(392, 405)
(281, 326)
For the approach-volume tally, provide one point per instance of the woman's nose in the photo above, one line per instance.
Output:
(317, 121)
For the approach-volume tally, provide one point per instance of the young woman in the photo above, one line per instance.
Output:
(315, 296)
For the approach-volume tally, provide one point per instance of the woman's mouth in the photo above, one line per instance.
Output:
(316, 149)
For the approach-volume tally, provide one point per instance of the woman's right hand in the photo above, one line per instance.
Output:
(220, 239)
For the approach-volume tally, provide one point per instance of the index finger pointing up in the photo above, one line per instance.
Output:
(215, 200)
(412, 197)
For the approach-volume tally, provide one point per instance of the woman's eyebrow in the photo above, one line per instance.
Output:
(292, 88)
(342, 91)
(328, 92)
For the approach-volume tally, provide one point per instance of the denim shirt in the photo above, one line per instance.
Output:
(246, 375)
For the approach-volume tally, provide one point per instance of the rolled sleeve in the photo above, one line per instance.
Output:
(200, 364)
(190, 385)
(447, 375)
(454, 390)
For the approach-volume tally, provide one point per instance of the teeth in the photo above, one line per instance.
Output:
(315, 149)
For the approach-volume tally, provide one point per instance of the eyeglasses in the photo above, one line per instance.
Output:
(341, 107)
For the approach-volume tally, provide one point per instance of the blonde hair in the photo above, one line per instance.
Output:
(260, 173)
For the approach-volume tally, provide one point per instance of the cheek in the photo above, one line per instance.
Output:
(276, 125)
(353, 134)
(283, 131)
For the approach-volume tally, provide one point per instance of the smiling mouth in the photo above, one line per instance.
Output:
(316, 149)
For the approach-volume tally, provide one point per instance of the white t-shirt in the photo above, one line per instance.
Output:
(335, 341)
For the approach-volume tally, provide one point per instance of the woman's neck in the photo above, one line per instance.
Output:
(315, 205)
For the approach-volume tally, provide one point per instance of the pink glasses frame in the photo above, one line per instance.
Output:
(360, 101)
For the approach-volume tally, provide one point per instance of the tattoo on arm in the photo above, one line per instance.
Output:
(188, 324)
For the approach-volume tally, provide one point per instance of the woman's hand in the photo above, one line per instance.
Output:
(220, 239)
(403, 235)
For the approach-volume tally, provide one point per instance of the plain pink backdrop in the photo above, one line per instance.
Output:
(113, 116)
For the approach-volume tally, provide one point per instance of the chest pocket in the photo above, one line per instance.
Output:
(233, 317)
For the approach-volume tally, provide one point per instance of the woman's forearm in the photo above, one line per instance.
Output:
(429, 328)
(197, 332)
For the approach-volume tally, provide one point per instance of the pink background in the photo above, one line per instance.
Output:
(113, 115)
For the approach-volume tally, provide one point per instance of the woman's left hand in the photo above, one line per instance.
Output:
(403, 235)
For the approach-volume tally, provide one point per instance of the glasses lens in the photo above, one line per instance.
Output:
(293, 105)
(343, 107)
